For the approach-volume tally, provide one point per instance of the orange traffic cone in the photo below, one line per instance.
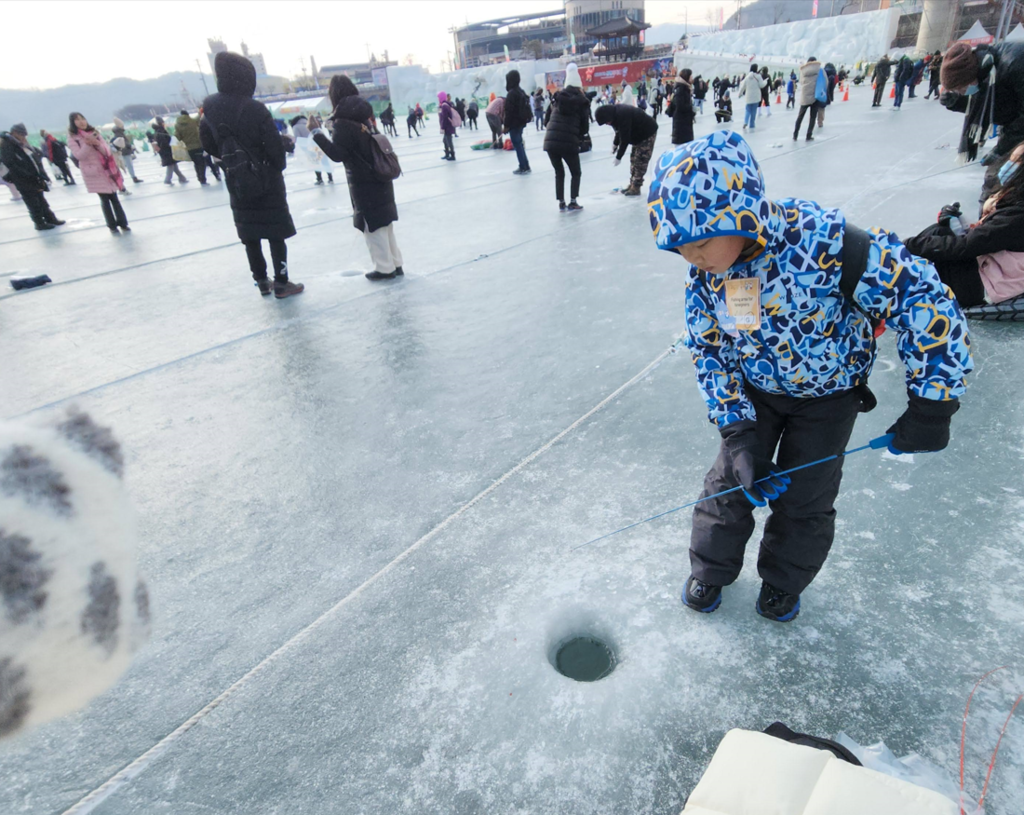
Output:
(846, 93)
(892, 91)
(778, 99)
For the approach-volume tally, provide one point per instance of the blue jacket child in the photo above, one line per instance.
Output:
(782, 358)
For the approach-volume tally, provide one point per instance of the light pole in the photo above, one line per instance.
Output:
(202, 76)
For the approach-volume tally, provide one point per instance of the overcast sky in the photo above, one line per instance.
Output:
(46, 45)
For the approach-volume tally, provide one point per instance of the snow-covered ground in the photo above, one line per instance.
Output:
(306, 471)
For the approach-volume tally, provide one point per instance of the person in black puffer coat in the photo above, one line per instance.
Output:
(681, 109)
(265, 217)
(518, 114)
(566, 123)
(373, 201)
(162, 139)
(25, 172)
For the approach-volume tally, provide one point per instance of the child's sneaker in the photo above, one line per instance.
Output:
(775, 604)
(702, 597)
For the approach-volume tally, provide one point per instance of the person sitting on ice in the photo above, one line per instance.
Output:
(780, 298)
(985, 263)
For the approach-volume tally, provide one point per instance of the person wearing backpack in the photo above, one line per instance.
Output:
(518, 113)
(373, 198)
(780, 301)
(241, 132)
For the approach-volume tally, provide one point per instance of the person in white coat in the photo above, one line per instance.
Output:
(626, 97)
(750, 89)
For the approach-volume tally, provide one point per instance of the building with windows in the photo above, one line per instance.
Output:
(527, 36)
(361, 73)
(582, 16)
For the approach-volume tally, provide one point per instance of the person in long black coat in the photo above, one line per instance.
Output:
(681, 109)
(162, 139)
(25, 172)
(373, 201)
(265, 217)
(566, 123)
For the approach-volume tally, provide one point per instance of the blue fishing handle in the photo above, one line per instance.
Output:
(880, 443)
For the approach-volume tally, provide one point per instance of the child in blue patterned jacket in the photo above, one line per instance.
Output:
(782, 357)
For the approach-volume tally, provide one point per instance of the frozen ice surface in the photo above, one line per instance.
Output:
(291, 459)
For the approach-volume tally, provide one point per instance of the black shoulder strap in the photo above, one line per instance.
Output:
(856, 243)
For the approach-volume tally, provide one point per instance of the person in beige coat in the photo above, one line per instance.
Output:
(809, 96)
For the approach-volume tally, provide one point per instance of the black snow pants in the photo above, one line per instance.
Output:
(798, 533)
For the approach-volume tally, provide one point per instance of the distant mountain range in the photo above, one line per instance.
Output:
(98, 102)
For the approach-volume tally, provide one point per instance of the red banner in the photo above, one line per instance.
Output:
(631, 72)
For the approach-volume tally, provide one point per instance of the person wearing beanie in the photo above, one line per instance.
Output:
(446, 120)
(987, 84)
(25, 172)
(236, 128)
(680, 108)
(566, 123)
(495, 113)
(632, 127)
(99, 170)
(518, 115)
(57, 153)
(780, 326)
(162, 140)
(374, 210)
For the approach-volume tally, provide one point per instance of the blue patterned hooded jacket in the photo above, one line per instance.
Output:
(812, 341)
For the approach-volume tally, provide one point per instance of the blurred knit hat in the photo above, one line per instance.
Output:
(118, 122)
(959, 67)
(572, 76)
(20, 129)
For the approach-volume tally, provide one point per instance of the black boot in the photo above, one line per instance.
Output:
(283, 287)
(775, 604)
(265, 286)
(702, 597)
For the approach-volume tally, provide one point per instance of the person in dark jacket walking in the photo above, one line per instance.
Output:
(632, 127)
(566, 122)
(904, 73)
(934, 74)
(517, 116)
(538, 109)
(232, 115)
(985, 264)
(915, 77)
(374, 211)
(472, 111)
(411, 121)
(880, 76)
(447, 123)
(967, 75)
(163, 147)
(25, 172)
(57, 152)
(681, 108)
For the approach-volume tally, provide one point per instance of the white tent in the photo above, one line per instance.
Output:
(1017, 35)
(977, 35)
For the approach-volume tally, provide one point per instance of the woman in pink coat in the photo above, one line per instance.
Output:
(99, 169)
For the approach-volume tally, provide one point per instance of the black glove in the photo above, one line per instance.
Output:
(748, 467)
(949, 211)
(923, 427)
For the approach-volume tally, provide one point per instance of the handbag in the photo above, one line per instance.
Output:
(586, 144)
(179, 152)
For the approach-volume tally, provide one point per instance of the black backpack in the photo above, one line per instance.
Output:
(247, 176)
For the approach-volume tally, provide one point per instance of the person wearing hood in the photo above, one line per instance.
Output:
(374, 211)
(681, 108)
(632, 127)
(472, 111)
(915, 77)
(56, 153)
(495, 113)
(780, 299)
(985, 263)
(99, 170)
(566, 122)
(902, 77)
(934, 74)
(766, 92)
(830, 79)
(124, 147)
(538, 109)
(517, 116)
(751, 88)
(25, 171)
(626, 97)
(387, 118)
(460, 108)
(813, 94)
(163, 147)
(241, 132)
(411, 122)
(186, 130)
(446, 120)
(987, 84)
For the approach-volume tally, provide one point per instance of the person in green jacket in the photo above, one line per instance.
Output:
(186, 130)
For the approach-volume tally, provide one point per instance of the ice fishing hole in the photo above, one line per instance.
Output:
(584, 658)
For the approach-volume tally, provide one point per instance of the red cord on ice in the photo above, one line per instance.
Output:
(963, 734)
(992, 763)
